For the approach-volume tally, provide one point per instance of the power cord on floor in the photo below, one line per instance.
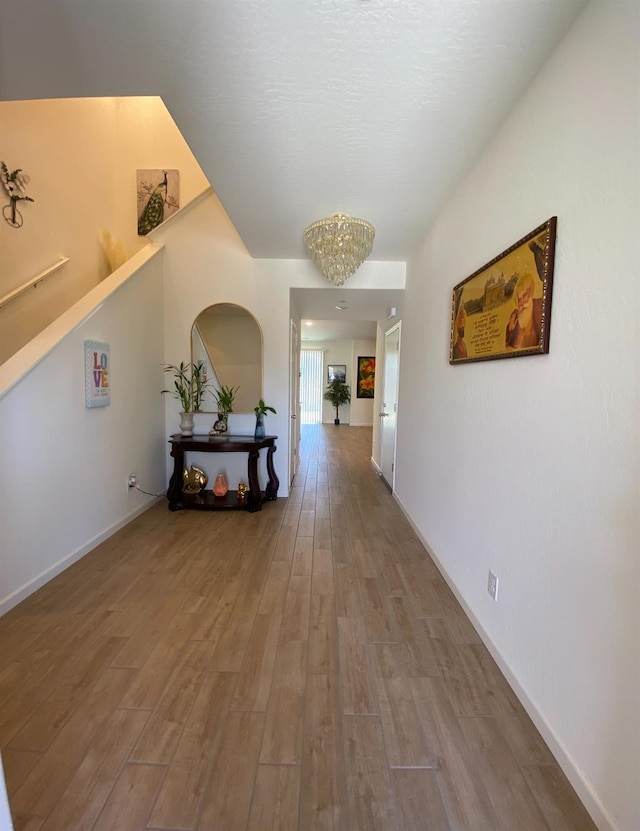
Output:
(148, 493)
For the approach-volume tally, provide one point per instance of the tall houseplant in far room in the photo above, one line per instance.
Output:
(189, 385)
(338, 393)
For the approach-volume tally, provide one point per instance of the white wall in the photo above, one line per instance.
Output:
(82, 156)
(65, 483)
(146, 137)
(530, 466)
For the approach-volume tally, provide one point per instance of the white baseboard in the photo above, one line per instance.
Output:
(573, 774)
(378, 470)
(7, 603)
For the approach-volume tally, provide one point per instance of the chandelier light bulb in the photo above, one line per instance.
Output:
(339, 245)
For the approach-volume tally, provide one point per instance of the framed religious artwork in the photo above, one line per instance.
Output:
(365, 386)
(503, 310)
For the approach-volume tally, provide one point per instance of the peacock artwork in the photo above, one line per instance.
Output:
(158, 197)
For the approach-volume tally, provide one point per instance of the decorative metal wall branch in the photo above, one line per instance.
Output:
(15, 184)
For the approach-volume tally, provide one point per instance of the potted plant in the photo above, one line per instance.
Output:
(261, 411)
(189, 385)
(224, 397)
(338, 393)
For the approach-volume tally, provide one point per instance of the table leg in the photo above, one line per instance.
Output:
(174, 494)
(274, 483)
(254, 497)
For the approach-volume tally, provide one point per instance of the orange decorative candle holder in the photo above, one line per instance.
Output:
(220, 486)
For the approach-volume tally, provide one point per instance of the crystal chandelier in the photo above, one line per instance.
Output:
(339, 245)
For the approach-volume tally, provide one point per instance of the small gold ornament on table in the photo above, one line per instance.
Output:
(194, 480)
(242, 492)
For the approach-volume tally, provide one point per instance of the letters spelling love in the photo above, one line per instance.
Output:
(100, 369)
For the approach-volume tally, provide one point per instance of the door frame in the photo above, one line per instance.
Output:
(392, 483)
(294, 400)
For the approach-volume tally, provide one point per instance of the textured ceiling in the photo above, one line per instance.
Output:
(296, 109)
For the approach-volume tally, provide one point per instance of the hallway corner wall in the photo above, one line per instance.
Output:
(64, 488)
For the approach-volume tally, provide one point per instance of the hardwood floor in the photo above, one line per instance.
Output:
(305, 667)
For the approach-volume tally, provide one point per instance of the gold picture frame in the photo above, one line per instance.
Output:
(503, 310)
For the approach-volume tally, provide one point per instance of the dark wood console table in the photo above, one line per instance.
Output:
(206, 500)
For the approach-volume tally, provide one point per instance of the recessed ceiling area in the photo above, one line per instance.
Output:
(346, 314)
(323, 330)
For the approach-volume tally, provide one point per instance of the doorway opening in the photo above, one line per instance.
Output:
(311, 368)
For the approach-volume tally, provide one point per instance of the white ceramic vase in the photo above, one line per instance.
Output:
(186, 424)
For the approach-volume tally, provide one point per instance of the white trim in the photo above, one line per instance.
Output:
(181, 212)
(376, 466)
(34, 281)
(573, 774)
(24, 591)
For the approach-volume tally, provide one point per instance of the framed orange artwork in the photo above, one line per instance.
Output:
(503, 310)
(366, 377)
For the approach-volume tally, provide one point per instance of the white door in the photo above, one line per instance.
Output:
(294, 401)
(390, 404)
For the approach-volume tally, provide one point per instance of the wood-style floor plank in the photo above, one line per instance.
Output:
(82, 801)
(323, 635)
(282, 743)
(303, 668)
(227, 797)
(403, 737)
(557, 800)
(179, 799)
(254, 679)
(419, 802)
(164, 727)
(369, 791)
(51, 775)
(129, 803)
(356, 675)
(512, 800)
(323, 796)
(275, 798)
(49, 718)
(465, 799)
(17, 764)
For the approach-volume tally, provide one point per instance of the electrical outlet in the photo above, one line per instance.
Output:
(132, 481)
(492, 585)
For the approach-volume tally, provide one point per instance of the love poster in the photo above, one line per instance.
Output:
(97, 374)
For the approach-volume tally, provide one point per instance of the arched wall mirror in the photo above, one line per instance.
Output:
(228, 340)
